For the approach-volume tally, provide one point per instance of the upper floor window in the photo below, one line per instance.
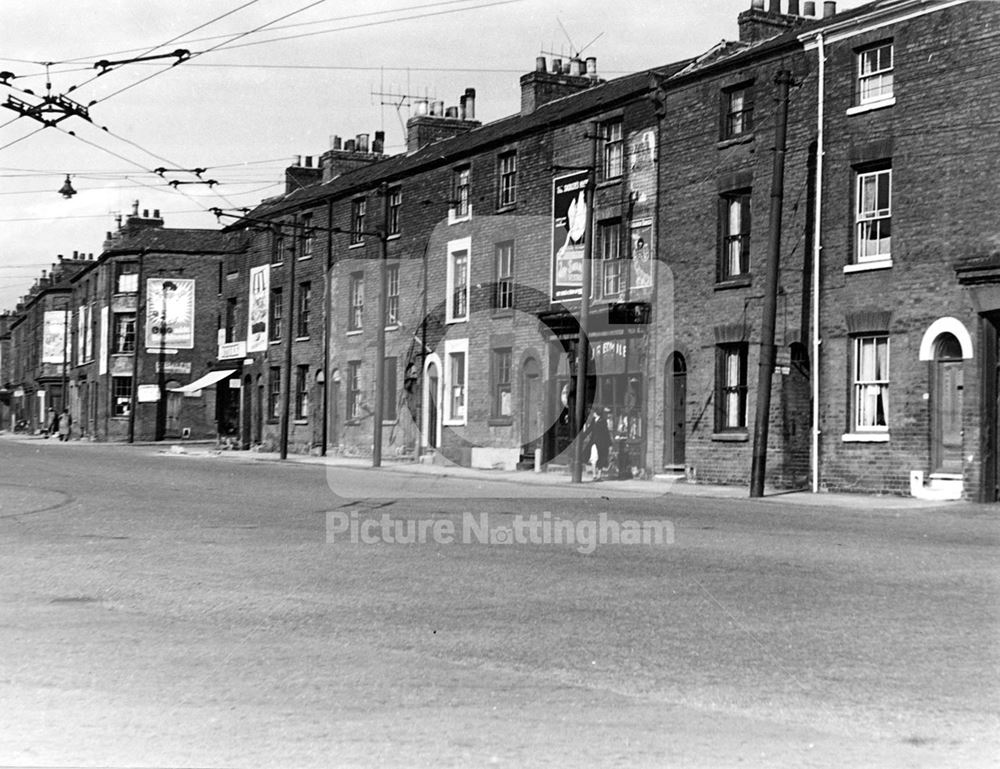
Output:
(507, 174)
(458, 280)
(127, 277)
(308, 237)
(356, 310)
(734, 256)
(875, 73)
(395, 204)
(503, 277)
(278, 246)
(737, 105)
(461, 206)
(305, 308)
(124, 341)
(611, 133)
(870, 378)
(731, 387)
(873, 220)
(392, 295)
(277, 312)
(358, 208)
(609, 237)
(232, 319)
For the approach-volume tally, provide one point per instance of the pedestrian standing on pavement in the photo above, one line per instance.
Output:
(599, 439)
(52, 426)
(65, 424)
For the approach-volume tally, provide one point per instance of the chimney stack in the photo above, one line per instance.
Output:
(540, 86)
(829, 8)
(757, 25)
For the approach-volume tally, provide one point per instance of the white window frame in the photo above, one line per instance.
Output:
(456, 247)
(864, 219)
(392, 296)
(872, 382)
(507, 174)
(356, 302)
(454, 347)
(875, 85)
(461, 207)
(613, 151)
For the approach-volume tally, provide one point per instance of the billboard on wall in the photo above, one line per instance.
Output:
(170, 313)
(257, 317)
(569, 227)
(54, 324)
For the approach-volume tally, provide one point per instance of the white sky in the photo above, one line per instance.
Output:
(261, 105)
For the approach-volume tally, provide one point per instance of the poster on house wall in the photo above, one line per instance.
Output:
(81, 334)
(54, 327)
(170, 313)
(102, 363)
(569, 226)
(641, 251)
(642, 202)
(257, 317)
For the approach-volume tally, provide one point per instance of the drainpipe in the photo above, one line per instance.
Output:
(327, 311)
(817, 254)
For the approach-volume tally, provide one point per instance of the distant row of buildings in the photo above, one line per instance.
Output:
(430, 302)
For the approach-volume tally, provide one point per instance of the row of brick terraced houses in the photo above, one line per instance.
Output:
(461, 264)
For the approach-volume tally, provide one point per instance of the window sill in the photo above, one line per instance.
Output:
(355, 332)
(880, 264)
(736, 436)
(503, 312)
(453, 422)
(452, 321)
(393, 327)
(502, 209)
(302, 339)
(743, 281)
(609, 182)
(500, 421)
(865, 437)
(357, 245)
(275, 341)
(305, 258)
(273, 421)
(870, 106)
(390, 422)
(300, 421)
(394, 236)
(734, 140)
(452, 219)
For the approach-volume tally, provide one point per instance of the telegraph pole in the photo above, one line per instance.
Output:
(383, 237)
(583, 341)
(140, 309)
(762, 419)
(286, 374)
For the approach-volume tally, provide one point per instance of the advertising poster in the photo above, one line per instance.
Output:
(82, 326)
(54, 329)
(257, 320)
(102, 363)
(170, 313)
(569, 225)
(642, 264)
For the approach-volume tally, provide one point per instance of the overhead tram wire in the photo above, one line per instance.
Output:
(217, 37)
(176, 38)
(202, 53)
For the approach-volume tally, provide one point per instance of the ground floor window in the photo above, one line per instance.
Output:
(354, 389)
(121, 396)
(501, 376)
(389, 395)
(274, 393)
(731, 387)
(456, 377)
(870, 404)
(302, 392)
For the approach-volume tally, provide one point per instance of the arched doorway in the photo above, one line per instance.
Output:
(674, 410)
(946, 405)
(431, 428)
(531, 406)
(247, 412)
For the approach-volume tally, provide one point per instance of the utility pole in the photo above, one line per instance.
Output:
(383, 237)
(327, 311)
(583, 341)
(762, 419)
(140, 309)
(286, 374)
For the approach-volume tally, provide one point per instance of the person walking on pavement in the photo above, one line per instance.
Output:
(65, 424)
(599, 439)
(52, 428)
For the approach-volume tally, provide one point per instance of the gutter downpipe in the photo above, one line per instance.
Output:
(817, 255)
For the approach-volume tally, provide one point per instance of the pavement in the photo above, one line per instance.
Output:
(553, 478)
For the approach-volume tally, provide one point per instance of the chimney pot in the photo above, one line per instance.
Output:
(470, 103)
(336, 142)
(793, 8)
(575, 67)
(349, 145)
(362, 143)
(107, 235)
(540, 64)
(592, 66)
(774, 6)
(461, 107)
(145, 213)
(378, 144)
(421, 106)
(156, 213)
(809, 8)
(451, 112)
(309, 161)
(76, 255)
(829, 8)
(557, 66)
(437, 108)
